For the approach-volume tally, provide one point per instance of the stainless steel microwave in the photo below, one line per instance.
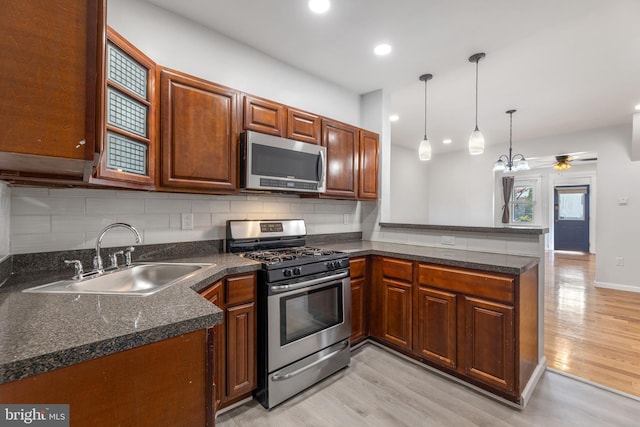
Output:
(279, 164)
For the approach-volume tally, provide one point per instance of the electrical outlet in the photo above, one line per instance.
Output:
(448, 240)
(619, 261)
(187, 221)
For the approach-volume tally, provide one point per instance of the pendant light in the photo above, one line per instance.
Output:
(508, 163)
(424, 150)
(476, 140)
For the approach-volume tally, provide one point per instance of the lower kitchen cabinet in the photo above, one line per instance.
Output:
(435, 326)
(214, 294)
(478, 326)
(234, 344)
(359, 287)
(393, 280)
(241, 350)
(490, 342)
(158, 384)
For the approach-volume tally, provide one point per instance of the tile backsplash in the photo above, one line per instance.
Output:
(47, 219)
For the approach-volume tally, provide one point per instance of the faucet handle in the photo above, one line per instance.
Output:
(127, 255)
(113, 259)
(77, 264)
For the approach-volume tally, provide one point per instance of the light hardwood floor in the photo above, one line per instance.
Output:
(382, 389)
(590, 332)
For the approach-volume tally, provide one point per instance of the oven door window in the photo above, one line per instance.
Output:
(307, 313)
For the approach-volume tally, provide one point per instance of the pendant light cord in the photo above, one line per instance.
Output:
(510, 130)
(477, 60)
(425, 109)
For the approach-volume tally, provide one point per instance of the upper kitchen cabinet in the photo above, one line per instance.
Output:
(127, 145)
(49, 58)
(341, 141)
(262, 115)
(303, 126)
(199, 134)
(368, 155)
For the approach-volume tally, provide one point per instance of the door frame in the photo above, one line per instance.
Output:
(586, 210)
(569, 179)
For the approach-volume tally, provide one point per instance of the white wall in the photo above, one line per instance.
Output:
(59, 219)
(5, 219)
(409, 202)
(176, 42)
(374, 113)
(618, 230)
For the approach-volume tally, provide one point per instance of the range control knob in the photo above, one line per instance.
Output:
(287, 272)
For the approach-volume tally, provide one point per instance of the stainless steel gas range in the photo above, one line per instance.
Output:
(304, 306)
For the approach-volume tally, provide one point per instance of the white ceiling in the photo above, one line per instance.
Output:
(565, 65)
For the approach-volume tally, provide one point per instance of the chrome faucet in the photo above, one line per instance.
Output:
(97, 261)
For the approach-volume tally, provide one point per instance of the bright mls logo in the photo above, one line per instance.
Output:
(34, 415)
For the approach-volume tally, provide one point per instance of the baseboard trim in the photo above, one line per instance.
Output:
(617, 286)
(594, 384)
(533, 381)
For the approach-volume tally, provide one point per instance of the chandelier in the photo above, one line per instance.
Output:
(508, 163)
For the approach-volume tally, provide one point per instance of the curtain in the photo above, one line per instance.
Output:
(507, 189)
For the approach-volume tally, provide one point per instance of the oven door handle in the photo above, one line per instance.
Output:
(277, 377)
(326, 279)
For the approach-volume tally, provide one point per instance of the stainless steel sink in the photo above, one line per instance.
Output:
(137, 279)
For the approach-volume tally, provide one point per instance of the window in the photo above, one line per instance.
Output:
(523, 202)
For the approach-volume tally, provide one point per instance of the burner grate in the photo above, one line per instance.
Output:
(286, 254)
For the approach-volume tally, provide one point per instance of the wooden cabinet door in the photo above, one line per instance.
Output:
(396, 313)
(214, 294)
(199, 135)
(368, 156)
(435, 326)
(241, 349)
(358, 301)
(341, 141)
(490, 349)
(303, 126)
(127, 146)
(49, 63)
(262, 115)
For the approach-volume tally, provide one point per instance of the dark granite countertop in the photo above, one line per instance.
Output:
(468, 228)
(497, 263)
(42, 332)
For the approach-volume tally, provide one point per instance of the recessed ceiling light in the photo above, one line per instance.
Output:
(446, 141)
(382, 49)
(394, 118)
(638, 107)
(319, 6)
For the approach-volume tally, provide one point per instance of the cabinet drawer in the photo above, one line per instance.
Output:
(397, 269)
(488, 285)
(357, 267)
(240, 289)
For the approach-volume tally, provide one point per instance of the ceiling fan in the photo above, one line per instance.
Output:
(563, 161)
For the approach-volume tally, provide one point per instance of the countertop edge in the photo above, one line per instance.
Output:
(465, 228)
(25, 368)
(450, 263)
